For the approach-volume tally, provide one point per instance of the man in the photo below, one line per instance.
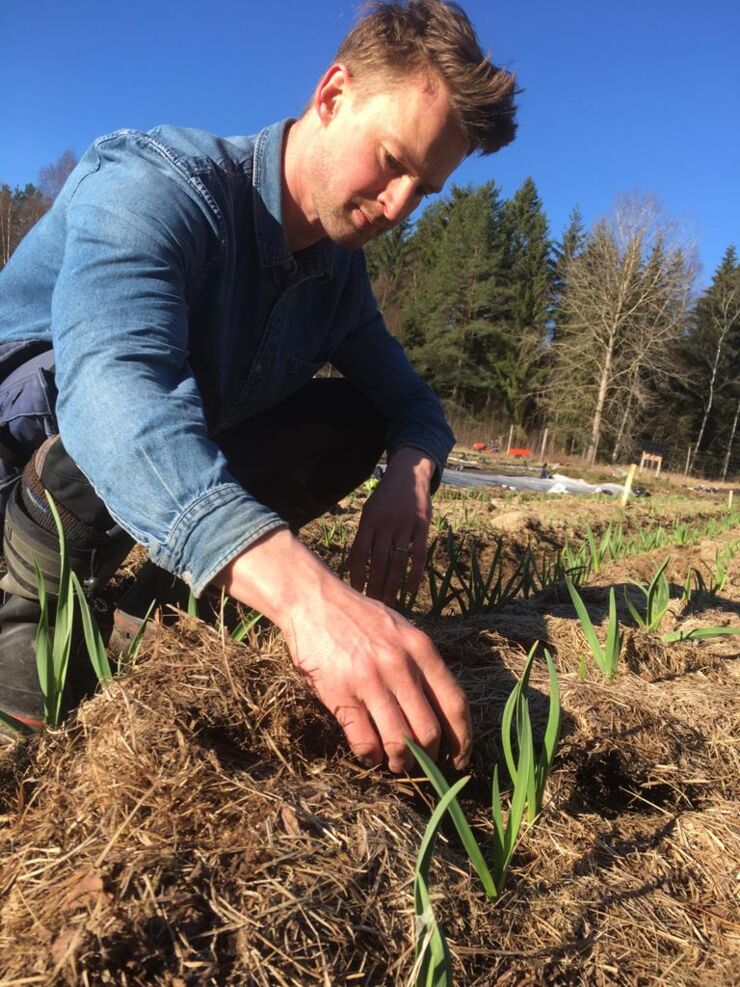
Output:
(190, 287)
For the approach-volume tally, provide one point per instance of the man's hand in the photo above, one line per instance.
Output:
(380, 676)
(393, 528)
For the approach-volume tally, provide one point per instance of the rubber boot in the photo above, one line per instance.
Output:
(26, 541)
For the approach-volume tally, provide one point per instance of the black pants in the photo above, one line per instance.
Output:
(298, 458)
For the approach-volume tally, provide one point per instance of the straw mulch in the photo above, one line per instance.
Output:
(200, 823)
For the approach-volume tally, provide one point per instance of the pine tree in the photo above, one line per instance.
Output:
(455, 297)
(563, 251)
(519, 365)
(712, 353)
(388, 259)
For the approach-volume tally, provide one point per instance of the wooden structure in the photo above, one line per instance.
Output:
(651, 460)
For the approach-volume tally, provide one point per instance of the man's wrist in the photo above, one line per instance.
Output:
(276, 575)
(415, 459)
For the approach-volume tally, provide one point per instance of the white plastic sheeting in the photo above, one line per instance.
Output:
(556, 484)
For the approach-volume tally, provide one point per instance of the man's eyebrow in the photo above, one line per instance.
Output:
(404, 158)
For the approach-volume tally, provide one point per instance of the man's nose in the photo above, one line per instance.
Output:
(398, 199)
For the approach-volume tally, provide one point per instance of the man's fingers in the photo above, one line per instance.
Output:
(357, 559)
(425, 725)
(398, 563)
(379, 563)
(449, 703)
(418, 561)
(360, 733)
(392, 726)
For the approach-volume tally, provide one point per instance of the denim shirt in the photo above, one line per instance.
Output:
(163, 280)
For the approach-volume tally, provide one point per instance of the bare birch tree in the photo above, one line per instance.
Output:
(625, 300)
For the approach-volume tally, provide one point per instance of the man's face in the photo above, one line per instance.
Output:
(380, 155)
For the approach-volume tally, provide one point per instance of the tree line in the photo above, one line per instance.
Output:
(23, 206)
(600, 335)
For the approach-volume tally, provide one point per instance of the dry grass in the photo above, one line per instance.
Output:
(200, 823)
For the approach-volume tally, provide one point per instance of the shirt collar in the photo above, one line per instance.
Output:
(267, 184)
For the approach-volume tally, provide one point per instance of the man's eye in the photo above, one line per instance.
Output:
(392, 162)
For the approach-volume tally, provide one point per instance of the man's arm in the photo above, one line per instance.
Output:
(395, 522)
(129, 408)
(381, 677)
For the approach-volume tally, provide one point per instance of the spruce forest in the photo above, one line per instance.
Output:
(601, 335)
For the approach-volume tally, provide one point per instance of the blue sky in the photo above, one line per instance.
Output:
(637, 95)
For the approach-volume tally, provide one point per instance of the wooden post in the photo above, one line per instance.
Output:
(729, 500)
(688, 460)
(642, 462)
(544, 444)
(628, 484)
(511, 440)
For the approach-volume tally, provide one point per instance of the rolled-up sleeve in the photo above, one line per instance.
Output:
(376, 363)
(129, 409)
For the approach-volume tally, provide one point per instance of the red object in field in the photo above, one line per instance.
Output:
(479, 446)
(519, 452)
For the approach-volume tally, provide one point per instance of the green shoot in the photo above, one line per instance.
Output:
(53, 649)
(528, 774)
(433, 966)
(606, 656)
(17, 727)
(540, 767)
(245, 625)
(457, 815)
(657, 597)
(93, 640)
(505, 837)
(132, 653)
(699, 633)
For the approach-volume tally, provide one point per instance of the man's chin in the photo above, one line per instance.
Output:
(352, 239)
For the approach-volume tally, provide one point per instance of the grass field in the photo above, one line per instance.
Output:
(200, 821)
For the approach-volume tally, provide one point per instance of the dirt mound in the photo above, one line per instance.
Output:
(199, 824)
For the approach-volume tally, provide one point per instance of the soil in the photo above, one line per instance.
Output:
(201, 822)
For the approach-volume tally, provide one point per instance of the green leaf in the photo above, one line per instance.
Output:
(698, 633)
(613, 639)
(552, 730)
(432, 955)
(245, 625)
(64, 617)
(457, 815)
(519, 798)
(18, 727)
(93, 640)
(636, 616)
(499, 833)
(586, 625)
(44, 651)
(133, 649)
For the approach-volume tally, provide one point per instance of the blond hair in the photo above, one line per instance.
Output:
(397, 38)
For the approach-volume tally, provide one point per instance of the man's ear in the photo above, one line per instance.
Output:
(332, 91)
